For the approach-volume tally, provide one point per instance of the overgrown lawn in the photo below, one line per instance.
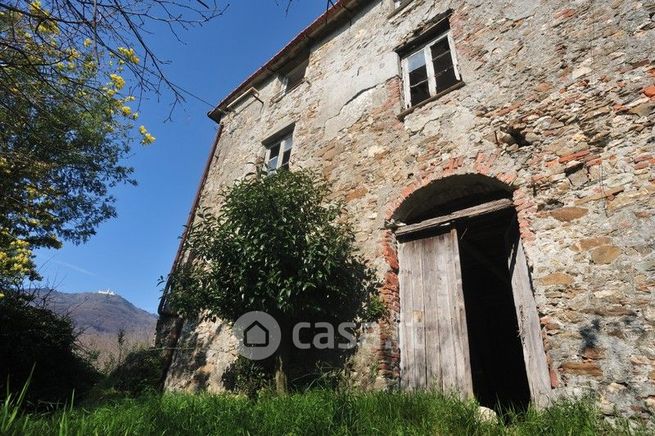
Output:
(315, 412)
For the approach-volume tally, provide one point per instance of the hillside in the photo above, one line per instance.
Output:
(99, 316)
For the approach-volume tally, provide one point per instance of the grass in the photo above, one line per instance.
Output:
(314, 412)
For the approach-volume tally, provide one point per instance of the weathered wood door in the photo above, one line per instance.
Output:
(527, 317)
(433, 333)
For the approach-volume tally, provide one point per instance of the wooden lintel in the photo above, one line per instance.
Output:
(469, 212)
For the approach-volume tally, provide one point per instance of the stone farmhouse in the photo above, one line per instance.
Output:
(497, 159)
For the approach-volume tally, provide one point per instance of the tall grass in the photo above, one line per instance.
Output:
(314, 412)
(11, 418)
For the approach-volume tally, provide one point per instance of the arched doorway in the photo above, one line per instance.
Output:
(468, 320)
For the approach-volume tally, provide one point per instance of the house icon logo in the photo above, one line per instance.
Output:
(258, 334)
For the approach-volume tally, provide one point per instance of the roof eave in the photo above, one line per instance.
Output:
(318, 28)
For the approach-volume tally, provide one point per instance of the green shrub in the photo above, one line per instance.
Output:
(278, 244)
(248, 377)
(35, 338)
(140, 371)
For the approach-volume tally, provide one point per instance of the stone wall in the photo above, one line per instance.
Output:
(558, 103)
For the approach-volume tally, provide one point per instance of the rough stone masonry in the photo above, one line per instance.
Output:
(557, 103)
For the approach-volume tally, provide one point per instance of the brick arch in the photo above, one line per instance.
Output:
(447, 194)
(492, 167)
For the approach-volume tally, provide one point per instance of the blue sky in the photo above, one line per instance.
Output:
(129, 253)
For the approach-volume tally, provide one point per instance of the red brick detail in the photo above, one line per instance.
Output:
(394, 93)
(642, 165)
(525, 208)
(650, 91)
(592, 162)
(554, 378)
(507, 178)
(644, 161)
(388, 354)
(509, 109)
(565, 13)
(574, 156)
(389, 252)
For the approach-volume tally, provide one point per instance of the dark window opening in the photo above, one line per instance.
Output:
(285, 159)
(444, 69)
(295, 76)
(273, 157)
(497, 364)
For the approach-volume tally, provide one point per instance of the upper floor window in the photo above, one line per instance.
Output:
(278, 152)
(430, 70)
(294, 76)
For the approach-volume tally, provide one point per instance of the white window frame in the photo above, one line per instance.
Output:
(432, 81)
(282, 142)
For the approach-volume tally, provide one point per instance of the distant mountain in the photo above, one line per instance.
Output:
(99, 316)
(100, 312)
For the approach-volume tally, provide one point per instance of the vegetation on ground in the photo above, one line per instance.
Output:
(44, 347)
(35, 339)
(139, 372)
(313, 412)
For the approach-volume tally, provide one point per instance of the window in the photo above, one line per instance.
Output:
(279, 153)
(294, 77)
(430, 70)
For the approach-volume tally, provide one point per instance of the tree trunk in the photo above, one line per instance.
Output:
(281, 362)
(280, 376)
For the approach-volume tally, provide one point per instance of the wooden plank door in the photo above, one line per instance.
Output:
(433, 334)
(527, 316)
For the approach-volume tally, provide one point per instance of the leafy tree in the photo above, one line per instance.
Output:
(278, 245)
(66, 115)
(118, 28)
(60, 152)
